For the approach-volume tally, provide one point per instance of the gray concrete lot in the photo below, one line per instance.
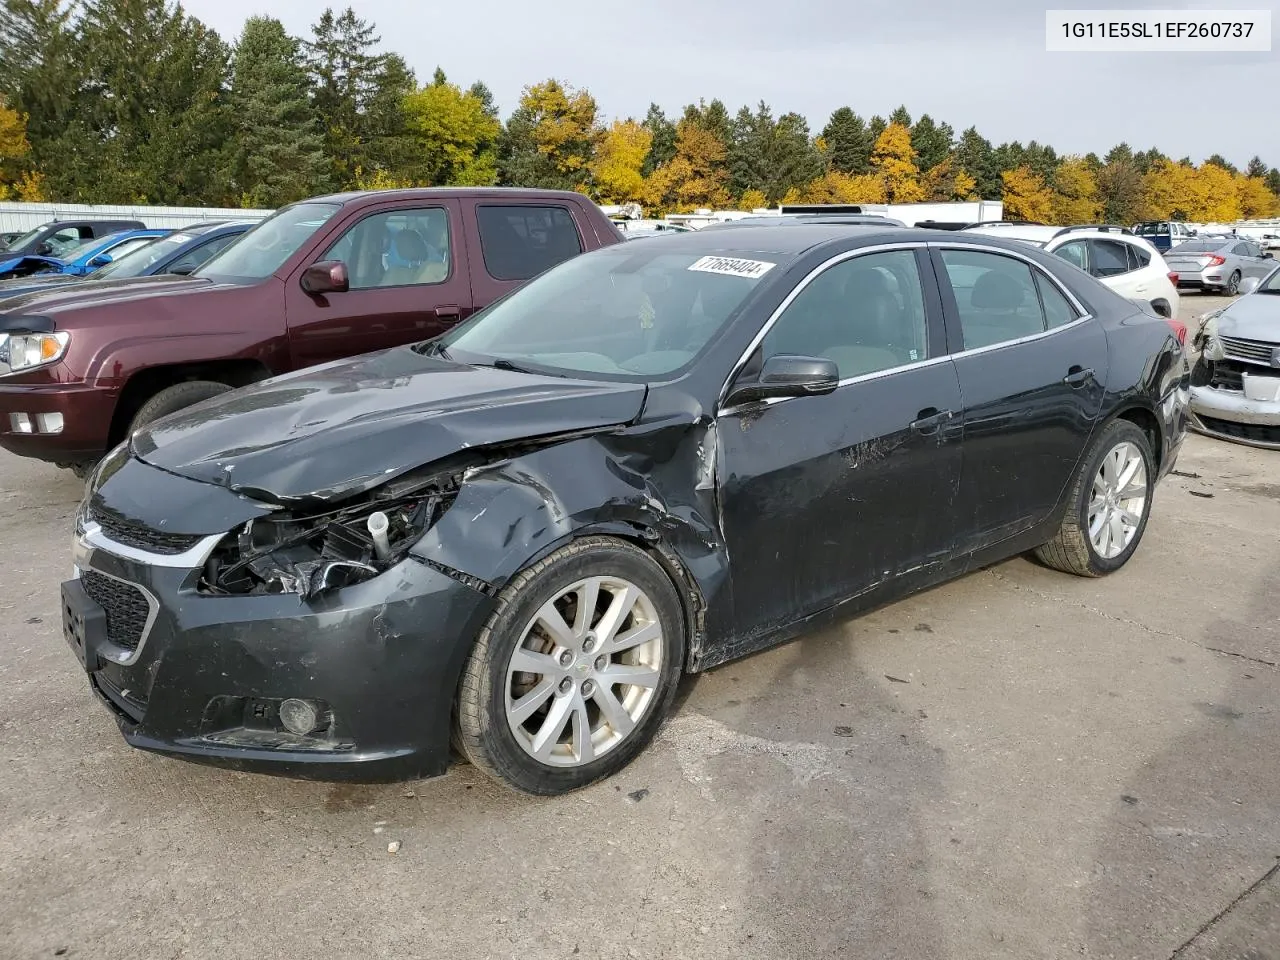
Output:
(1018, 764)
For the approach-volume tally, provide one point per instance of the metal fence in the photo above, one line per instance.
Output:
(28, 216)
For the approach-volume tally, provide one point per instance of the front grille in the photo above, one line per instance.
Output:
(1257, 432)
(125, 605)
(1254, 351)
(1228, 375)
(141, 537)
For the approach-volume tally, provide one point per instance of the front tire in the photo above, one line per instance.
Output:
(575, 670)
(1110, 501)
(1233, 284)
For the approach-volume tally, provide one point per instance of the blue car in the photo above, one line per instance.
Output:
(181, 252)
(83, 259)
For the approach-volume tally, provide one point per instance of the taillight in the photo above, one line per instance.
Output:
(1173, 277)
(1179, 329)
(1216, 261)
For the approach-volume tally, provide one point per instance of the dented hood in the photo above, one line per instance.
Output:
(328, 432)
(1252, 317)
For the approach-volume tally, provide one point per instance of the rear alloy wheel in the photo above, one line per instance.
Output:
(1109, 505)
(1233, 284)
(575, 670)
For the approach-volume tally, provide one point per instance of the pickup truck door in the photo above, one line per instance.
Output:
(514, 240)
(409, 281)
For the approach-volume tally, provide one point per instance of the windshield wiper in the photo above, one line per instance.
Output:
(502, 363)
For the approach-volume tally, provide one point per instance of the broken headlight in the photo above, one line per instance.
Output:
(308, 553)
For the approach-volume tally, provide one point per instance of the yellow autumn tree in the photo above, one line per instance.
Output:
(16, 178)
(751, 199)
(836, 187)
(946, 181)
(696, 176)
(894, 161)
(1026, 195)
(1075, 193)
(1221, 203)
(1172, 191)
(617, 162)
(1256, 200)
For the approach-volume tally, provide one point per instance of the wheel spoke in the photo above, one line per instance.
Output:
(1132, 519)
(650, 631)
(1104, 536)
(1127, 474)
(1096, 522)
(525, 660)
(1109, 469)
(550, 620)
(611, 708)
(616, 615)
(526, 706)
(637, 675)
(549, 733)
(583, 749)
(1117, 531)
(1134, 490)
(588, 595)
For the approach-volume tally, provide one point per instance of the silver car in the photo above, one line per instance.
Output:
(1235, 386)
(1218, 263)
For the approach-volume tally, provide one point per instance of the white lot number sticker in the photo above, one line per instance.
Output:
(180, 237)
(734, 267)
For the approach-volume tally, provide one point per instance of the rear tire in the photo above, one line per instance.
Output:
(175, 398)
(1113, 485)
(541, 706)
(1233, 285)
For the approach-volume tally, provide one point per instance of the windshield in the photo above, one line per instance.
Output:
(135, 262)
(26, 238)
(261, 251)
(1152, 229)
(83, 248)
(629, 312)
(1272, 283)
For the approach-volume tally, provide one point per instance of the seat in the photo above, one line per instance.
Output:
(411, 260)
(996, 315)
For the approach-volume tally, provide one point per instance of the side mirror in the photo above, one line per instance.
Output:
(182, 269)
(327, 276)
(101, 260)
(789, 376)
(1268, 255)
(1249, 284)
(44, 250)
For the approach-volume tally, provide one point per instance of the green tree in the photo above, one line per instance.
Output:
(976, 158)
(771, 156)
(662, 139)
(1218, 160)
(1273, 181)
(482, 93)
(167, 146)
(1256, 168)
(875, 127)
(453, 136)
(712, 117)
(277, 153)
(931, 141)
(1120, 153)
(1144, 160)
(848, 145)
(901, 117)
(550, 138)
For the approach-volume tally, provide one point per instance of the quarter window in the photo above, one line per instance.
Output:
(1074, 252)
(401, 248)
(995, 295)
(520, 242)
(1058, 310)
(866, 314)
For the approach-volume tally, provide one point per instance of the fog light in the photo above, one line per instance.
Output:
(20, 423)
(299, 716)
(49, 422)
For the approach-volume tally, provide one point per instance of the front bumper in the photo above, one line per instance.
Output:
(205, 678)
(86, 410)
(1230, 415)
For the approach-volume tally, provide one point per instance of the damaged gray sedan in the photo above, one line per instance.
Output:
(1235, 392)
(652, 459)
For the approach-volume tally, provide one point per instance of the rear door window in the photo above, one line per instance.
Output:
(1110, 258)
(1074, 252)
(996, 297)
(519, 242)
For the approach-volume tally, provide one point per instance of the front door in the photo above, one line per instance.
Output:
(1032, 369)
(408, 282)
(825, 497)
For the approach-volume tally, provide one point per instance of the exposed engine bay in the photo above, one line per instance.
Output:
(309, 553)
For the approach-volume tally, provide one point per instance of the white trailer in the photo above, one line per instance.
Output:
(28, 216)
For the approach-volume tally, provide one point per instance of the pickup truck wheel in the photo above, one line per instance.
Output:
(175, 398)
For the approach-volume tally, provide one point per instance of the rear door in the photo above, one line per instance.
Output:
(408, 282)
(1111, 262)
(512, 241)
(1031, 367)
(1251, 262)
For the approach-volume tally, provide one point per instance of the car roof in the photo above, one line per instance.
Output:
(793, 219)
(427, 193)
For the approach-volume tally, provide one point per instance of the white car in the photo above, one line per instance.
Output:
(1126, 263)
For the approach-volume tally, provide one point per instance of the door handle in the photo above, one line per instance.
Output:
(1078, 376)
(929, 420)
(450, 313)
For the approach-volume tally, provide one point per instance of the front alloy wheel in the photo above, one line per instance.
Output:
(574, 671)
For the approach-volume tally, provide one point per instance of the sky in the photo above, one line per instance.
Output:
(967, 62)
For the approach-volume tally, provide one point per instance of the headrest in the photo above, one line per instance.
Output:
(411, 247)
(997, 291)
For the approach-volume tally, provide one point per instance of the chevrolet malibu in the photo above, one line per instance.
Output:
(652, 459)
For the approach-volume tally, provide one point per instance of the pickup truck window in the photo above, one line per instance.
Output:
(263, 249)
(519, 242)
(400, 248)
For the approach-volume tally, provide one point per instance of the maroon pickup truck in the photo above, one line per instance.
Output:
(317, 281)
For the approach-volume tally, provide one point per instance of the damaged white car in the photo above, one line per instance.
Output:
(1235, 392)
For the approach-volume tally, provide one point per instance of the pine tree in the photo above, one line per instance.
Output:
(662, 144)
(277, 153)
(875, 127)
(1256, 168)
(485, 96)
(1218, 160)
(1273, 181)
(847, 142)
(931, 141)
(975, 157)
(901, 117)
